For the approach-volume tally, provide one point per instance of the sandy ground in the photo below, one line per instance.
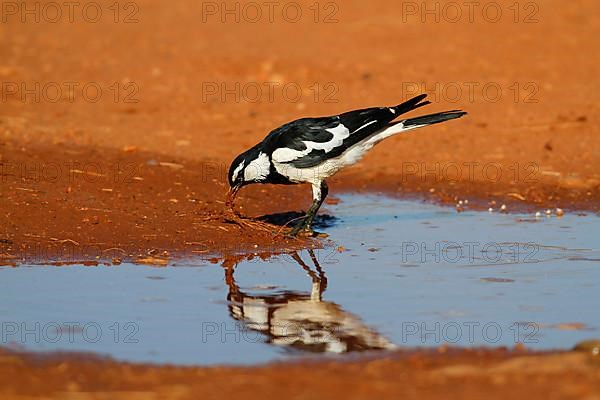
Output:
(448, 374)
(116, 135)
(133, 154)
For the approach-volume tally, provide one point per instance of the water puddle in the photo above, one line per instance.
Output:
(401, 274)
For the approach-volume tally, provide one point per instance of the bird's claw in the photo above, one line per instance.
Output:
(306, 232)
(294, 233)
(302, 231)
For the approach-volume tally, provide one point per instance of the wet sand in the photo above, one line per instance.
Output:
(138, 173)
(447, 373)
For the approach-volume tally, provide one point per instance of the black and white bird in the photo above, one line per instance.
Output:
(310, 150)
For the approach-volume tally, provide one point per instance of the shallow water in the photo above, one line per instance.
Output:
(400, 273)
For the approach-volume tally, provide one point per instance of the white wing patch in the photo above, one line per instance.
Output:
(258, 168)
(339, 132)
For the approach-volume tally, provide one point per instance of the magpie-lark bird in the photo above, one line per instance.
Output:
(310, 150)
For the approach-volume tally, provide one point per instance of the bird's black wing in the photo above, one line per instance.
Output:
(360, 124)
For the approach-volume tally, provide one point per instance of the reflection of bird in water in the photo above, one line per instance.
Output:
(302, 320)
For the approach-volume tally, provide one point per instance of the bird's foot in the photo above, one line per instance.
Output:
(301, 230)
(305, 232)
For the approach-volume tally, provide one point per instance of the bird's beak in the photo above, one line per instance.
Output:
(231, 195)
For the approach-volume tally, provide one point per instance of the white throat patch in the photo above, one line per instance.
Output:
(237, 170)
(258, 168)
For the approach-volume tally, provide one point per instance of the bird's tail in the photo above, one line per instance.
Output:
(411, 104)
(432, 119)
(413, 123)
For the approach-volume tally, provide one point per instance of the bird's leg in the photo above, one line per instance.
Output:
(319, 194)
(319, 280)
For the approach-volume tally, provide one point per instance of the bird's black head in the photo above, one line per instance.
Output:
(252, 166)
